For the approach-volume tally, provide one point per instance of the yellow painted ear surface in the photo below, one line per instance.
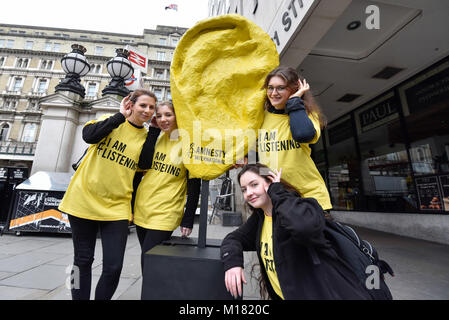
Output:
(216, 76)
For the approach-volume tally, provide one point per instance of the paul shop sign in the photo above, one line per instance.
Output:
(381, 113)
(286, 23)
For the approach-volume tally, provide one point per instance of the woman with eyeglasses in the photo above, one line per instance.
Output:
(293, 121)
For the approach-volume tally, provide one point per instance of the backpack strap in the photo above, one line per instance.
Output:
(314, 255)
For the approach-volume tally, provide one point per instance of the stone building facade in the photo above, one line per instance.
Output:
(30, 69)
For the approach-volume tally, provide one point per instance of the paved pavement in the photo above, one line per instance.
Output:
(33, 266)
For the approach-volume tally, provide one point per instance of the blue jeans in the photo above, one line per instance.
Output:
(114, 235)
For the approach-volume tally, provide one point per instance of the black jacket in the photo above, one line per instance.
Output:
(301, 126)
(306, 265)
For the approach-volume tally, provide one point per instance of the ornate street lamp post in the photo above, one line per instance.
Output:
(120, 70)
(75, 66)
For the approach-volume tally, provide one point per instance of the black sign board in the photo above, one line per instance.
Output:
(444, 184)
(38, 211)
(15, 175)
(429, 193)
(18, 174)
(428, 92)
(340, 132)
(379, 114)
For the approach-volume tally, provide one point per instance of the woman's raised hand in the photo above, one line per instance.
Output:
(273, 177)
(125, 106)
(153, 122)
(303, 87)
(233, 281)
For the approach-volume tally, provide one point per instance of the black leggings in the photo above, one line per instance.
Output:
(114, 235)
(149, 238)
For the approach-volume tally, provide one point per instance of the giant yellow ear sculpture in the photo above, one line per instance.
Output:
(216, 76)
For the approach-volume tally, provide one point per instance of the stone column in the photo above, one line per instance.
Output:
(59, 122)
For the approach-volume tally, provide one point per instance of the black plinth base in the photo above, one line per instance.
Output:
(183, 272)
(192, 241)
(231, 219)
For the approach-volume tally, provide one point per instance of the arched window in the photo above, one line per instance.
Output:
(4, 129)
(29, 132)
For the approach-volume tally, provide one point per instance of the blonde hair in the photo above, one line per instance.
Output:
(167, 103)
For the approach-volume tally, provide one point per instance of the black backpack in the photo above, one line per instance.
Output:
(361, 257)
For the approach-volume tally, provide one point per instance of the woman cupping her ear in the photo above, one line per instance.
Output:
(286, 231)
(161, 195)
(98, 198)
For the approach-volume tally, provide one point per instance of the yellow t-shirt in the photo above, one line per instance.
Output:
(102, 187)
(161, 194)
(277, 149)
(266, 252)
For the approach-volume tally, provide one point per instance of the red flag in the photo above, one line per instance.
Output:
(137, 59)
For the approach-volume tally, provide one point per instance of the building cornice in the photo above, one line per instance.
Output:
(66, 30)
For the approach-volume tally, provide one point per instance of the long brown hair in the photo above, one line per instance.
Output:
(261, 170)
(142, 92)
(291, 77)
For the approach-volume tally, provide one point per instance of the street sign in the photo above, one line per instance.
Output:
(138, 59)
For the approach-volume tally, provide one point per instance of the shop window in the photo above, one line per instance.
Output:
(319, 157)
(426, 111)
(344, 170)
(385, 168)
